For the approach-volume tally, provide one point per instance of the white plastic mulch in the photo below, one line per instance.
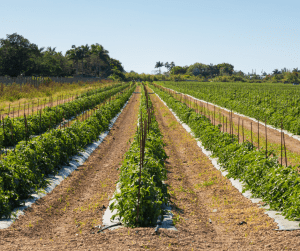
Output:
(282, 223)
(167, 222)
(297, 137)
(64, 172)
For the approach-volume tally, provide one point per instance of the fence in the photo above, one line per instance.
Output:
(36, 81)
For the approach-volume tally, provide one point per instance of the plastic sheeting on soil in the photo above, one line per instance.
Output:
(167, 222)
(64, 172)
(297, 137)
(282, 223)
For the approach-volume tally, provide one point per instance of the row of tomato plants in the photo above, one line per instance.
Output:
(281, 106)
(13, 131)
(277, 185)
(141, 194)
(98, 90)
(24, 169)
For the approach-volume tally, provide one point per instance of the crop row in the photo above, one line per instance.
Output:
(275, 102)
(13, 131)
(24, 170)
(95, 91)
(141, 188)
(277, 185)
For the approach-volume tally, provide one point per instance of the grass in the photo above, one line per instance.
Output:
(14, 97)
(176, 219)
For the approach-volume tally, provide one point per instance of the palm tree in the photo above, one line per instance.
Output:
(75, 55)
(169, 66)
(101, 55)
(84, 49)
(275, 72)
(158, 65)
(51, 50)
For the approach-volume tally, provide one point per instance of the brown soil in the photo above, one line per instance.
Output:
(65, 218)
(273, 136)
(199, 193)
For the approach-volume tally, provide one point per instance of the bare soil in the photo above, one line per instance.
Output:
(207, 214)
(211, 213)
(273, 136)
(66, 217)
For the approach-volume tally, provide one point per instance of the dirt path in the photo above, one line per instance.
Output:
(274, 137)
(200, 192)
(64, 219)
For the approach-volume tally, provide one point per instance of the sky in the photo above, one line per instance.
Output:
(258, 35)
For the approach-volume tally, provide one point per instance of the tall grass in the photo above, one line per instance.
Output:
(11, 95)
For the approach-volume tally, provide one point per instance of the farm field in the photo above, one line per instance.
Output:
(275, 102)
(207, 209)
(262, 174)
(243, 125)
(14, 130)
(16, 97)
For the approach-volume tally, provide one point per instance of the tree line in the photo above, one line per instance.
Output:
(223, 72)
(20, 57)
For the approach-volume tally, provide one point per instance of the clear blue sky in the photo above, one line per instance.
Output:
(261, 35)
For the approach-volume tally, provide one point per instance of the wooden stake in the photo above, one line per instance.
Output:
(281, 144)
(223, 124)
(251, 135)
(284, 149)
(258, 132)
(243, 130)
(214, 115)
(239, 130)
(266, 137)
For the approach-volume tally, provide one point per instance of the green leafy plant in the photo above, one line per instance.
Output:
(277, 185)
(153, 192)
(14, 130)
(274, 102)
(24, 170)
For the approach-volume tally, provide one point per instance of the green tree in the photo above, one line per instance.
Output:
(178, 70)
(203, 69)
(74, 54)
(116, 70)
(159, 65)
(85, 52)
(53, 63)
(225, 69)
(212, 70)
(18, 55)
(276, 71)
(291, 77)
(100, 56)
(169, 66)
